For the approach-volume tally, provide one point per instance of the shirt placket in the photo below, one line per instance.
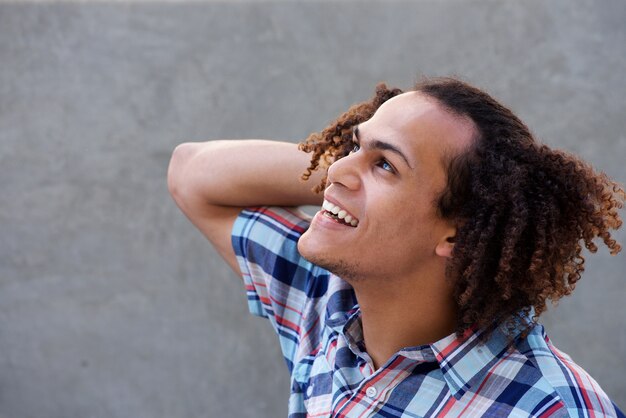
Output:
(375, 390)
(376, 386)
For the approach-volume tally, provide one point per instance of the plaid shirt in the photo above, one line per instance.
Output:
(317, 319)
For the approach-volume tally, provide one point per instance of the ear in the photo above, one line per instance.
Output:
(446, 244)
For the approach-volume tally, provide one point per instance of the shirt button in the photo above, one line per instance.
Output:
(309, 391)
(371, 391)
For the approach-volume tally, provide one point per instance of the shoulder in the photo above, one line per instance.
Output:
(530, 378)
(262, 224)
(280, 284)
(265, 242)
(580, 394)
(267, 236)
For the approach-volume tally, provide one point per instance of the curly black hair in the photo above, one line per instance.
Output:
(523, 211)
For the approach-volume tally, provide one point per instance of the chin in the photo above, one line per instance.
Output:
(321, 255)
(314, 247)
(308, 248)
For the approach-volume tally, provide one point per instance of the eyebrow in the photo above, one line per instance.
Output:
(382, 145)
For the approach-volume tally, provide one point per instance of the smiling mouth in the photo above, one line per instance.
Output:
(338, 214)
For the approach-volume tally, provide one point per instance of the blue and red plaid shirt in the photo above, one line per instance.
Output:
(317, 319)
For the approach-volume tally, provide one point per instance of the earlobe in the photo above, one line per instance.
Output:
(445, 247)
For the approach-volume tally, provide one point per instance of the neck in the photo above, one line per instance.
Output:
(404, 312)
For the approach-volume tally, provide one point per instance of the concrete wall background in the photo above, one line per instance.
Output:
(111, 304)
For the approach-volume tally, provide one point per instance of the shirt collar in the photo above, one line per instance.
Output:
(465, 361)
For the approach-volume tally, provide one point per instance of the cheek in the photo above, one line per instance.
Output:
(392, 221)
(404, 221)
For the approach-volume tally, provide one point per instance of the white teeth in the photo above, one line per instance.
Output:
(340, 213)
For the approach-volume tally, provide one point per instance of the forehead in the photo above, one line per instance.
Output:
(421, 126)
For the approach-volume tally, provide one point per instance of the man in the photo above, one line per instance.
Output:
(444, 229)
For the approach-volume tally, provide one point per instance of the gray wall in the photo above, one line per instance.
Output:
(111, 304)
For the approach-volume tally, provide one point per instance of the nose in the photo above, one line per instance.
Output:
(345, 172)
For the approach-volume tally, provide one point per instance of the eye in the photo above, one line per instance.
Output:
(384, 164)
(355, 147)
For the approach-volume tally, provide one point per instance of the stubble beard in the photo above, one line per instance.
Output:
(341, 268)
(348, 271)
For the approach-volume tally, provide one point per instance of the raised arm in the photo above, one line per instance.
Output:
(212, 181)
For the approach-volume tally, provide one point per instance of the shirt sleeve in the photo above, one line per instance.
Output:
(279, 282)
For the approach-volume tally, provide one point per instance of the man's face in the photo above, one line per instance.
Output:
(388, 187)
